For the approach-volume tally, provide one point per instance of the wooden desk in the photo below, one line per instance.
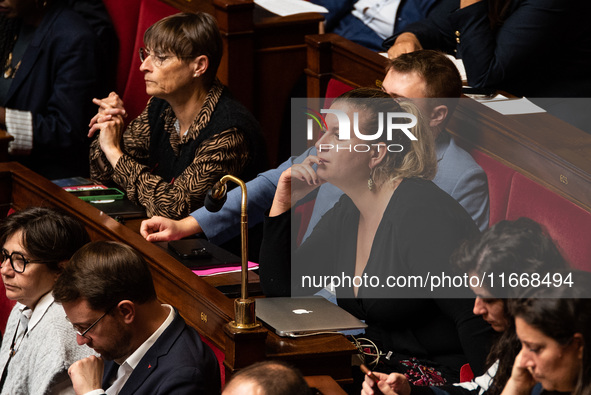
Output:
(202, 305)
(325, 385)
(5, 138)
(264, 56)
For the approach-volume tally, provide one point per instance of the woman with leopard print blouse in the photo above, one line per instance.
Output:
(191, 133)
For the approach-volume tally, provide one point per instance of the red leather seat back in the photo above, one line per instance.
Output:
(568, 224)
(499, 184)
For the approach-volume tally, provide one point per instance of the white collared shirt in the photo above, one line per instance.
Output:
(39, 311)
(378, 15)
(139, 353)
(20, 125)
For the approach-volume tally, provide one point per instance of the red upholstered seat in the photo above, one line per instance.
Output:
(219, 354)
(334, 89)
(499, 182)
(134, 95)
(302, 214)
(568, 224)
(6, 306)
(131, 18)
(124, 15)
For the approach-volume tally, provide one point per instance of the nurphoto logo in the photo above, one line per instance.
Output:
(387, 123)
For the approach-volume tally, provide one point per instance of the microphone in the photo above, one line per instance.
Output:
(244, 307)
(216, 197)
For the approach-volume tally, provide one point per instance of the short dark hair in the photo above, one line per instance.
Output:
(104, 273)
(47, 234)
(274, 377)
(441, 76)
(188, 35)
(519, 246)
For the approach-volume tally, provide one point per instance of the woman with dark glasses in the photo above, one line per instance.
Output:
(39, 343)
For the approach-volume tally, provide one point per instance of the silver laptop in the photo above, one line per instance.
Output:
(304, 316)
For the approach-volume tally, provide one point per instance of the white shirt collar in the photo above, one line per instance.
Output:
(134, 359)
(39, 311)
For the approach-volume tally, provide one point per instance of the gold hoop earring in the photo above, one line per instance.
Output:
(370, 182)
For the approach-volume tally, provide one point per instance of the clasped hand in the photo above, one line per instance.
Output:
(109, 121)
(295, 183)
(86, 374)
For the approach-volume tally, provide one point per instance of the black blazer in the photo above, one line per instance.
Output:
(56, 82)
(178, 363)
(542, 49)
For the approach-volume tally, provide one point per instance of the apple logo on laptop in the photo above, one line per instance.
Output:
(302, 311)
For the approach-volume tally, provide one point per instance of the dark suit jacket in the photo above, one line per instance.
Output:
(178, 363)
(95, 14)
(56, 82)
(542, 48)
(340, 20)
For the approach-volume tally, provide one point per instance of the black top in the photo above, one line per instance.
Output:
(421, 227)
(228, 114)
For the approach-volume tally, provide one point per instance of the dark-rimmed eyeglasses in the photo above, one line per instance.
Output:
(83, 332)
(18, 260)
(157, 59)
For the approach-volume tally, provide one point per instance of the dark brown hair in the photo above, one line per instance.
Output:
(519, 246)
(188, 35)
(47, 234)
(104, 273)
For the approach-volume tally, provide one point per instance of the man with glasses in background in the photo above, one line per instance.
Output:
(146, 347)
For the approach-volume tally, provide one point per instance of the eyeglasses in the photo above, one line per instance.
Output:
(17, 261)
(157, 59)
(82, 332)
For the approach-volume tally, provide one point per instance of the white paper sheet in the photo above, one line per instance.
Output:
(290, 7)
(514, 107)
(460, 66)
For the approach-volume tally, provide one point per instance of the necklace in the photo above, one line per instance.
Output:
(13, 346)
(9, 69)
